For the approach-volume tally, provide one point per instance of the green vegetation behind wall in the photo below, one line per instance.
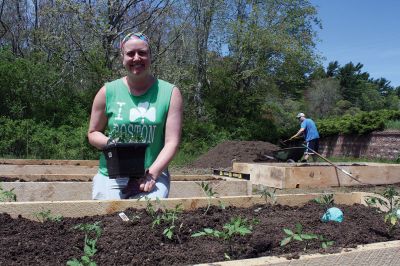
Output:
(360, 123)
(29, 139)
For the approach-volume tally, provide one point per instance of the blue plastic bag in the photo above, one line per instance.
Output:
(333, 214)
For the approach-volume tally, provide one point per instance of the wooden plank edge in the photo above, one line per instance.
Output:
(68, 191)
(89, 177)
(101, 207)
(361, 252)
(49, 162)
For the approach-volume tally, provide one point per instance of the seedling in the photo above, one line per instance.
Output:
(325, 242)
(150, 208)
(7, 195)
(391, 219)
(210, 193)
(44, 216)
(169, 232)
(124, 137)
(90, 230)
(299, 235)
(326, 200)
(269, 196)
(169, 217)
(390, 200)
(236, 226)
(134, 218)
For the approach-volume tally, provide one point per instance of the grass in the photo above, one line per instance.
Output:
(354, 160)
(183, 159)
(392, 124)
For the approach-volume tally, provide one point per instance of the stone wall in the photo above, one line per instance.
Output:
(377, 145)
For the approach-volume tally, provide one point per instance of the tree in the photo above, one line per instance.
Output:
(383, 86)
(322, 97)
(14, 22)
(332, 69)
(318, 73)
(359, 90)
(203, 12)
(370, 98)
(352, 82)
(272, 41)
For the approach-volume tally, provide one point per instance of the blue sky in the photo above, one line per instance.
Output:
(361, 31)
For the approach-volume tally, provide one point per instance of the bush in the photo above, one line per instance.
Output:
(30, 139)
(392, 124)
(360, 123)
(198, 137)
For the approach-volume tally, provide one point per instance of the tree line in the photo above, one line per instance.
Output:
(245, 68)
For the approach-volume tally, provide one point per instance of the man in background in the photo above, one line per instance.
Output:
(311, 136)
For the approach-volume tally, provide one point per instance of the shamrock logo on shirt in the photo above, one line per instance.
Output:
(141, 112)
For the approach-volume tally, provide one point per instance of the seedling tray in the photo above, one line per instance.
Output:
(125, 159)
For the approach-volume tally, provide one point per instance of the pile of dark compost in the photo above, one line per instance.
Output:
(225, 153)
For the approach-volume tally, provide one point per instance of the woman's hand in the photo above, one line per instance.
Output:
(148, 182)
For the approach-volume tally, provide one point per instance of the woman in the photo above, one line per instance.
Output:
(141, 104)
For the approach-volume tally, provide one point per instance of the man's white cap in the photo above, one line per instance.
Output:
(300, 115)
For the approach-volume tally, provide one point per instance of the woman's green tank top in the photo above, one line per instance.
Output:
(143, 115)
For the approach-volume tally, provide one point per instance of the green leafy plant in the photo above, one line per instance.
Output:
(92, 234)
(169, 218)
(151, 209)
(210, 193)
(236, 226)
(392, 124)
(28, 138)
(44, 216)
(7, 195)
(134, 218)
(125, 137)
(390, 200)
(325, 243)
(169, 232)
(299, 235)
(269, 196)
(359, 123)
(326, 200)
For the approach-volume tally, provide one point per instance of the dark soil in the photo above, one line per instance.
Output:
(225, 153)
(10, 179)
(25, 242)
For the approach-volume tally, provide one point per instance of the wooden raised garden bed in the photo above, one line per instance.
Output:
(318, 175)
(63, 180)
(142, 241)
(67, 191)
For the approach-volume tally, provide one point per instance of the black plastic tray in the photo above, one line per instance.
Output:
(125, 159)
